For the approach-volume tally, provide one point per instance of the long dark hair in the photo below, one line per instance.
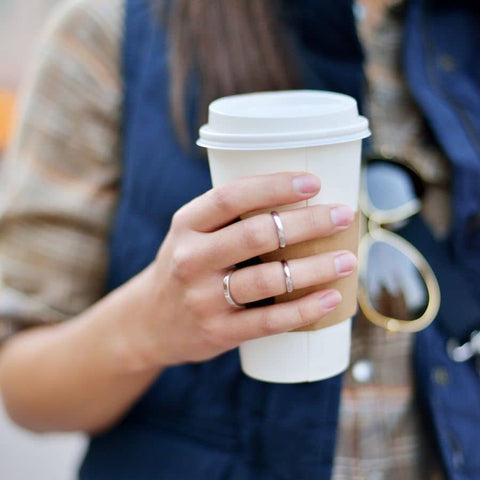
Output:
(229, 47)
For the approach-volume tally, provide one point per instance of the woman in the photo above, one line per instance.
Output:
(148, 368)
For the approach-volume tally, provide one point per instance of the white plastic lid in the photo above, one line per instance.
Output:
(285, 119)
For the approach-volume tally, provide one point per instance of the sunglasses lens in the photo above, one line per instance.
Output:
(389, 186)
(395, 286)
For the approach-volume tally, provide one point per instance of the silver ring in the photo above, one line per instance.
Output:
(226, 290)
(282, 241)
(288, 276)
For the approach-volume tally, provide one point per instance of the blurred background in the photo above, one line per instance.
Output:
(25, 456)
(20, 23)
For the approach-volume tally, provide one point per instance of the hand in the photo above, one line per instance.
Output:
(184, 315)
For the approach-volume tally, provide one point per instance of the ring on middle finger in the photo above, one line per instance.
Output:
(282, 241)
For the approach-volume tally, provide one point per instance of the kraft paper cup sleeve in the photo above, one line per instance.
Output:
(346, 240)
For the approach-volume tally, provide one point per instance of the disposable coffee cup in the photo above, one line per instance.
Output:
(302, 130)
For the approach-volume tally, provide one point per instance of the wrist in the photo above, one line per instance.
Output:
(132, 341)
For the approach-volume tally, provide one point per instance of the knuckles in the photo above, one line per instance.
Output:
(183, 263)
(254, 235)
(276, 191)
(261, 283)
(223, 199)
(271, 324)
(316, 220)
(178, 219)
(212, 333)
(195, 302)
(267, 324)
(300, 313)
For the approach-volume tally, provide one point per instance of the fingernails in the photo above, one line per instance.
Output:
(341, 216)
(306, 184)
(345, 263)
(329, 300)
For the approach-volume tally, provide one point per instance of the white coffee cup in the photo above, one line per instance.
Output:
(302, 130)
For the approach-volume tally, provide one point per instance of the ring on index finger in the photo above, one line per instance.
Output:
(226, 290)
(282, 241)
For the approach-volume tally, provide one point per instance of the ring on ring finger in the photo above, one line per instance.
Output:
(228, 294)
(226, 291)
(288, 276)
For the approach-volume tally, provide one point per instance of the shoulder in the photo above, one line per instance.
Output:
(95, 24)
(77, 59)
(76, 73)
(104, 13)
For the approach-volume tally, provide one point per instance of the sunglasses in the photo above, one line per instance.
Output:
(398, 289)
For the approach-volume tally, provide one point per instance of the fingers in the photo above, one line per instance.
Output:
(257, 282)
(258, 235)
(221, 205)
(280, 318)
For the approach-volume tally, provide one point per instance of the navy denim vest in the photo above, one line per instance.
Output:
(209, 421)
(203, 421)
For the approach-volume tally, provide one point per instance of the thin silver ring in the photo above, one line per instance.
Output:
(227, 293)
(282, 241)
(288, 276)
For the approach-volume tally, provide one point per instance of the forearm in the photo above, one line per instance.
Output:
(78, 375)
(86, 373)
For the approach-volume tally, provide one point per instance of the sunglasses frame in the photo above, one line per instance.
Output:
(375, 232)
